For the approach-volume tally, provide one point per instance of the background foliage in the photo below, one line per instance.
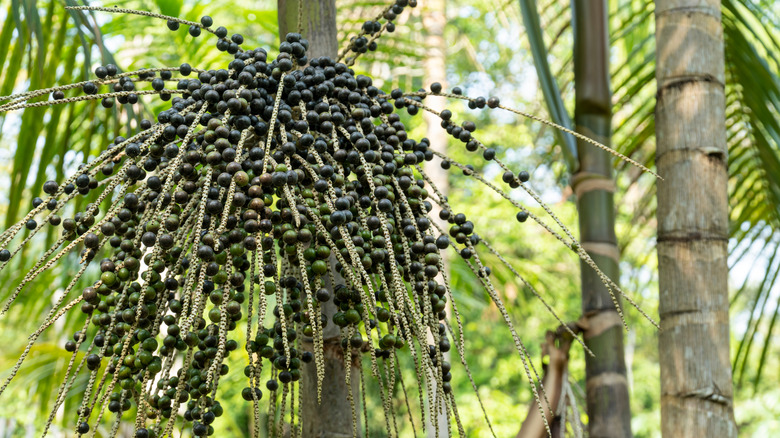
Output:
(489, 54)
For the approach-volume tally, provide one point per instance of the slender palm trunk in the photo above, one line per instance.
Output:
(434, 65)
(333, 417)
(696, 386)
(607, 388)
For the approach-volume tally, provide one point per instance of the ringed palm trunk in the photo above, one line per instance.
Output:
(606, 384)
(696, 385)
(333, 417)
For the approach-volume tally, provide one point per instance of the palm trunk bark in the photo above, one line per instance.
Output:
(606, 385)
(317, 21)
(696, 386)
(333, 417)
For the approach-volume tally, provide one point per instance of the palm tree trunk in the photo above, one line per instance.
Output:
(334, 416)
(317, 21)
(434, 67)
(696, 386)
(606, 385)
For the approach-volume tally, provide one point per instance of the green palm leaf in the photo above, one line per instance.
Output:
(552, 95)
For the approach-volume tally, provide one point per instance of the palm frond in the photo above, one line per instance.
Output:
(552, 95)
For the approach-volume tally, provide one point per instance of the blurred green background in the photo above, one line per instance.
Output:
(41, 44)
